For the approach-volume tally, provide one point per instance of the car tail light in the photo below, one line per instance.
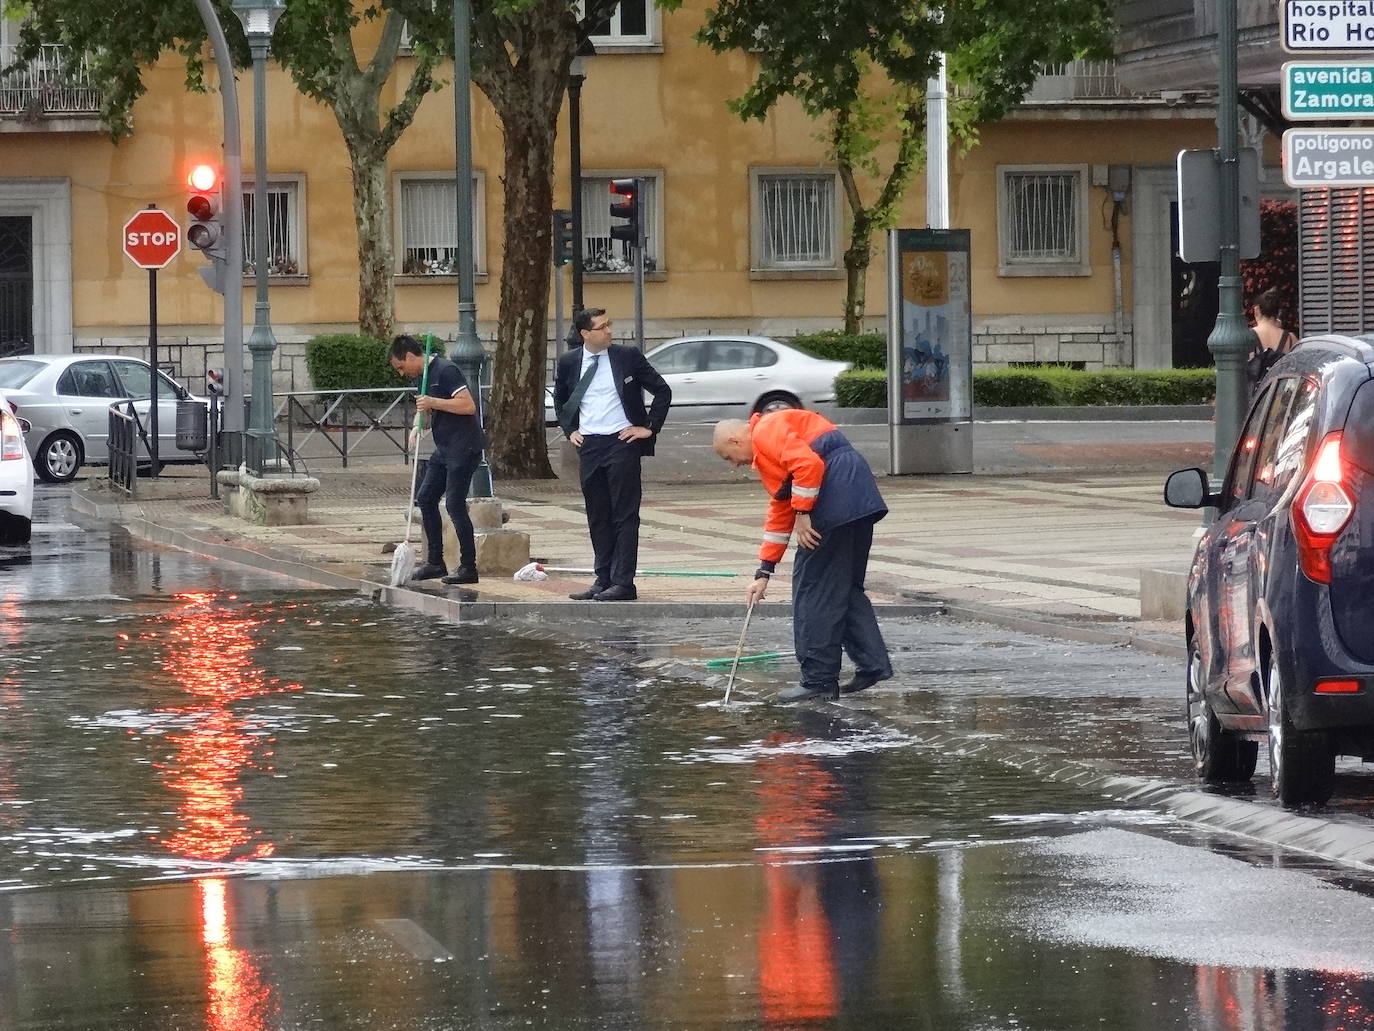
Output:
(1321, 510)
(1337, 687)
(11, 438)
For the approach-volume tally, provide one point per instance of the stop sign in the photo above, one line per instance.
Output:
(152, 238)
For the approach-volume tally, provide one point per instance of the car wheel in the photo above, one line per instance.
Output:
(1302, 764)
(1219, 756)
(776, 403)
(59, 458)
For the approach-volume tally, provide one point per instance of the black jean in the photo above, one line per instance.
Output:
(448, 475)
(609, 471)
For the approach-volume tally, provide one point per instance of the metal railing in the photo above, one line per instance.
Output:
(344, 424)
(56, 82)
(126, 429)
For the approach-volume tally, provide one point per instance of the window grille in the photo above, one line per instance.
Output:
(797, 221)
(1042, 222)
(630, 22)
(429, 226)
(283, 233)
(599, 252)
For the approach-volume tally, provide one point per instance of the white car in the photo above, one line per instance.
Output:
(67, 400)
(16, 479)
(757, 374)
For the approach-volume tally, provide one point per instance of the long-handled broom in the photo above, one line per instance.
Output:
(739, 650)
(403, 558)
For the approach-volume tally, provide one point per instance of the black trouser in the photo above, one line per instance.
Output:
(448, 475)
(609, 469)
(830, 610)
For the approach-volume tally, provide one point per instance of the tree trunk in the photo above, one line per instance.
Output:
(526, 90)
(856, 261)
(372, 210)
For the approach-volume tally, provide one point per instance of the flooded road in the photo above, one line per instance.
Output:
(230, 804)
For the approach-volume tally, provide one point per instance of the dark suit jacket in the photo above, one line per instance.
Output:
(633, 376)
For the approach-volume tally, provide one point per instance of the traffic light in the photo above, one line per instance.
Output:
(214, 382)
(563, 242)
(205, 232)
(625, 204)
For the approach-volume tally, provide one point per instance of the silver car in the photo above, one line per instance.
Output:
(66, 399)
(755, 373)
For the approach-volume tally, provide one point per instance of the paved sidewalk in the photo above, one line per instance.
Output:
(1065, 549)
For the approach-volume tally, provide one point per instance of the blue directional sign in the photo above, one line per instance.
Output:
(1313, 25)
(1315, 90)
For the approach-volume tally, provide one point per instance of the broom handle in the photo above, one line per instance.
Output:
(739, 650)
(415, 433)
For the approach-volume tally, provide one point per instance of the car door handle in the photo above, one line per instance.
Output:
(77, 411)
(689, 379)
(760, 375)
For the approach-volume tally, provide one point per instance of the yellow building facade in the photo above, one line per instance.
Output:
(747, 224)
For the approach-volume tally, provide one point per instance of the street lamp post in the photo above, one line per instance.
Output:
(259, 19)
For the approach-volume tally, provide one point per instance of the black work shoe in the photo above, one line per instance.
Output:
(430, 571)
(590, 593)
(616, 592)
(464, 575)
(800, 693)
(863, 681)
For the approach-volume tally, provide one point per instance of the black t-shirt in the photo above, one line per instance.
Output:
(452, 433)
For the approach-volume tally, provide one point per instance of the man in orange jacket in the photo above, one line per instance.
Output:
(823, 488)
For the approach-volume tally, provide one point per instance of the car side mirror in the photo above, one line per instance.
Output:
(1189, 488)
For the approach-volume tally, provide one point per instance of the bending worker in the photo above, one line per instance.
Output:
(824, 488)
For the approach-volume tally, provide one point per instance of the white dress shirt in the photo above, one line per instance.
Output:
(601, 411)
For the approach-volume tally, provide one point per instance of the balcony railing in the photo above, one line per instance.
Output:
(54, 83)
(1078, 80)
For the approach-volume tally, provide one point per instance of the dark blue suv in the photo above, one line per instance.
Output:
(1280, 624)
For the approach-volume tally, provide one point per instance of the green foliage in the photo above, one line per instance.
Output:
(863, 350)
(1277, 264)
(350, 361)
(1037, 387)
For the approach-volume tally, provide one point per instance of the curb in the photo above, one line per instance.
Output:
(1043, 413)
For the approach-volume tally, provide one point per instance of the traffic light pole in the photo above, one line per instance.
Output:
(640, 240)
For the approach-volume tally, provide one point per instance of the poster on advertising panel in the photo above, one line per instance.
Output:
(933, 365)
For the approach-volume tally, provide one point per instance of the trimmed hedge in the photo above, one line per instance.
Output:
(351, 361)
(1033, 387)
(863, 350)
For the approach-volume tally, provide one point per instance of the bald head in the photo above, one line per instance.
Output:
(734, 441)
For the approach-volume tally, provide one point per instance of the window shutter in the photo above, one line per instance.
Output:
(1335, 258)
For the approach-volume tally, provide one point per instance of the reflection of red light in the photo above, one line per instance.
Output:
(209, 653)
(239, 999)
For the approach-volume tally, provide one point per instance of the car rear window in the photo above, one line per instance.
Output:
(14, 374)
(1357, 442)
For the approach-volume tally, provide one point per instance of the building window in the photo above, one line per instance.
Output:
(599, 252)
(285, 256)
(428, 220)
(795, 220)
(633, 23)
(1042, 220)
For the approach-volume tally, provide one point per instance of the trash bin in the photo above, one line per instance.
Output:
(192, 421)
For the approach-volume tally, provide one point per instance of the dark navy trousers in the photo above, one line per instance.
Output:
(610, 475)
(831, 612)
(448, 475)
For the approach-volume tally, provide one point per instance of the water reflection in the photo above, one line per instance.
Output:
(208, 652)
(237, 996)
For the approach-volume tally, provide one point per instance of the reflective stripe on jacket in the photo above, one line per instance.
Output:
(807, 465)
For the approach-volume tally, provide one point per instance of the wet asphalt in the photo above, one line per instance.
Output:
(227, 802)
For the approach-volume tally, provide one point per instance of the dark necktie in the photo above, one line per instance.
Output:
(570, 410)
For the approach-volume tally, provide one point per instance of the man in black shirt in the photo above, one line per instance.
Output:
(458, 444)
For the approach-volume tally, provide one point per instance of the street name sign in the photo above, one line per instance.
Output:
(1328, 157)
(1312, 25)
(1317, 90)
(152, 238)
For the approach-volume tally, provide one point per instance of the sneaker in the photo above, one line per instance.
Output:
(590, 593)
(430, 571)
(863, 681)
(616, 592)
(801, 693)
(464, 575)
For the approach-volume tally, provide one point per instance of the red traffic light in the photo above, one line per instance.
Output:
(203, 178)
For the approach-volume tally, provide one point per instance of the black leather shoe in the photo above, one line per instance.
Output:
(430, 571)
(464, 575)
(863, 681)
(802, 694)
(590, 593)
(616, 592)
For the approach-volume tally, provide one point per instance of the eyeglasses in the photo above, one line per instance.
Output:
(604, 327)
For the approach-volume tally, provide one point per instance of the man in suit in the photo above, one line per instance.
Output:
(598, 394)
